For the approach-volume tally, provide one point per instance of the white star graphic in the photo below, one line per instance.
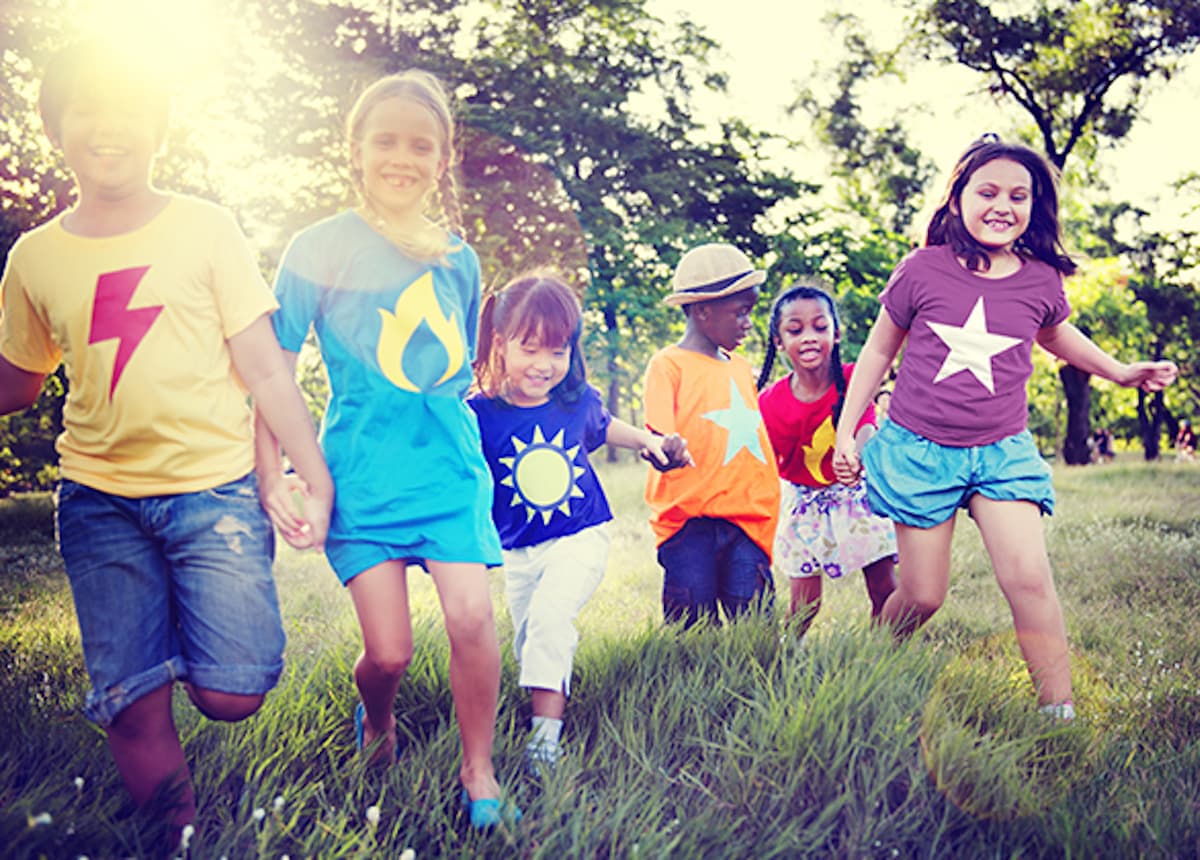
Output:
(742, 422)
(972, 347)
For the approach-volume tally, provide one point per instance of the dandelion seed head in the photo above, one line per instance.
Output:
(277, 804)
(408, 854)
(78, 783)
(258, 814)
(372, 815)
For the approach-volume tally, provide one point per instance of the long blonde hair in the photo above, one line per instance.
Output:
(444, 209)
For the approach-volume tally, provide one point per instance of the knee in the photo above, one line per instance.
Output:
(471, 623)
(226, 707)
(390, 662)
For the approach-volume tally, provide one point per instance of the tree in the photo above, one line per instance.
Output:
(1081, 70)
(560, 81)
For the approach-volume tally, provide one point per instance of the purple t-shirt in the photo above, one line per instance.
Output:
(970, 343)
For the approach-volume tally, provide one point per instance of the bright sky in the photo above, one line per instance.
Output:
(766, 51)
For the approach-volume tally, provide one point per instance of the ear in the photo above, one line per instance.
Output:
(356, 155)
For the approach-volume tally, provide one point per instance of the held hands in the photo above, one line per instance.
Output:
(1150, 375)
(300, 515)
(666, 452)
(846, 466)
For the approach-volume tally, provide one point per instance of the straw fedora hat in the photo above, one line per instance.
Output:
(710, 272)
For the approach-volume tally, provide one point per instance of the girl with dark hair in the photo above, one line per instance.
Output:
(825, 527)
(539, 419)
(970, 304)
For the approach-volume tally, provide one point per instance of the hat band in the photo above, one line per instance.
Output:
(716, 286)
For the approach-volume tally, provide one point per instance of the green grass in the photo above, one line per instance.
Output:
(739, 742)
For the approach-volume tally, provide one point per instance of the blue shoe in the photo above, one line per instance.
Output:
(360, 717)
(489, 811)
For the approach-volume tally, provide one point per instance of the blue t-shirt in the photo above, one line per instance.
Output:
(397, 337)
(545, 485)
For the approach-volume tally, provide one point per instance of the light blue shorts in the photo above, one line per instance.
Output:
(170, 587)
(920, 483)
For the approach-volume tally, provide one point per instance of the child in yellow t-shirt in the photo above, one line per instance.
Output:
(155, 304)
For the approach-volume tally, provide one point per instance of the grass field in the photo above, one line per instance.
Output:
(738, 742)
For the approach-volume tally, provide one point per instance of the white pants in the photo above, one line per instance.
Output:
(547, 585)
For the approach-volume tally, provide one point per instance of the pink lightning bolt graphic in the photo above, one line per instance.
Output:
(113, 318)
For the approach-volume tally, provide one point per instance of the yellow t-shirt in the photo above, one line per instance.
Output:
(141, 320)
(712, 403)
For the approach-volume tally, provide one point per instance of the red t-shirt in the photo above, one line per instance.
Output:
(802, 434)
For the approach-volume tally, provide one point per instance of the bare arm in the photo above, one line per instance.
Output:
(19, 389)
(1076, 348)
(281, 418)
(876, 357)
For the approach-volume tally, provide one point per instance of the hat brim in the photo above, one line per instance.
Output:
(691, 297)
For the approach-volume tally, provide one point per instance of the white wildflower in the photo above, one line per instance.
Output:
(408, 854)
(258, 814)
(277, 804)
(185, 838)
(41, 819)
(372, 815)
(79, 783)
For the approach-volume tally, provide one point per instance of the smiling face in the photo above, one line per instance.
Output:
(532, 369)
(807, 334)
(996, 204)
(400, 155)
(109, 137)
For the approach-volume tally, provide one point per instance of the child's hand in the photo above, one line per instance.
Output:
(667, 452)
(846, 466)
(1150, 375)
(293, 509)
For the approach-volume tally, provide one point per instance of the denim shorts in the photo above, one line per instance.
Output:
(920, 483)
(171, 587)
(711, 561)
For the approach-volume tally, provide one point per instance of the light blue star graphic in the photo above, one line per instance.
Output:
(742, 422)
(972, 347)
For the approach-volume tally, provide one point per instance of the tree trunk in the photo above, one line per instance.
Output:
(1151, 415)
(1079, 408)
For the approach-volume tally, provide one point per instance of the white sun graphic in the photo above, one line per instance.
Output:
(542, 475)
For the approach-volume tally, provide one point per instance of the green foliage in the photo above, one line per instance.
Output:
(1078, 69)
(27, 455)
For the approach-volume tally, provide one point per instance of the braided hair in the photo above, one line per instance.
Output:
(425, 89)
(836, 375)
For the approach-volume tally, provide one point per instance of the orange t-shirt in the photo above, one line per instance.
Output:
(712, 403)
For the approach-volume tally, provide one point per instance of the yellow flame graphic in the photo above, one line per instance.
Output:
(418, 302)
(824, 438)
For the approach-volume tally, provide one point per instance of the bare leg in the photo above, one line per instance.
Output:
(805, 600)
(880, 577)
(474, 668)
(380, 596)
(548, 703)
(145, 746)
(226, 707)
(1012, 533)
(924, 580)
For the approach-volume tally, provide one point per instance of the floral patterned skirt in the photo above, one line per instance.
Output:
(829, 530)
